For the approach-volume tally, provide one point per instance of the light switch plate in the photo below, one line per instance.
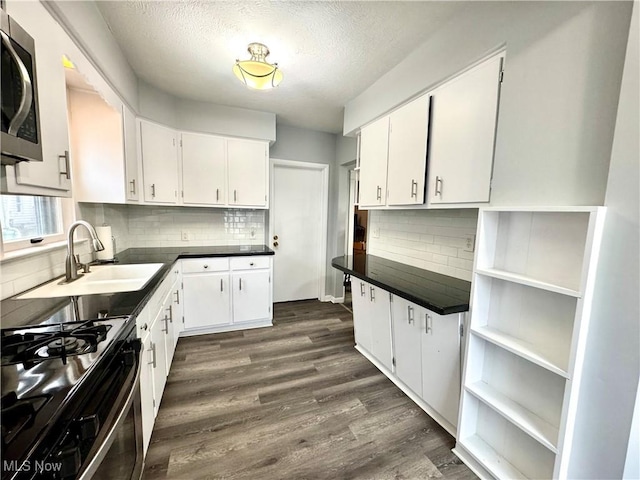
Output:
(186, 236)
(376, 232)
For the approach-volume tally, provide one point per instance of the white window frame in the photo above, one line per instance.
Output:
(68, 215)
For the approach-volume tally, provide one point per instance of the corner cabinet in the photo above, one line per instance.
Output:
(51, 176)
(530, 304)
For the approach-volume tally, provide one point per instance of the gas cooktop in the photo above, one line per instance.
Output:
(44, 368)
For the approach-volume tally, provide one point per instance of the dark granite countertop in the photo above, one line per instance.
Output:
(439, 293)
(15, 313)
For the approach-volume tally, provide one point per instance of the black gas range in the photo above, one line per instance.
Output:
(70, 395)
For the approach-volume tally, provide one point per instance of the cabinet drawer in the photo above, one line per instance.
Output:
(249, 263)
(201, 265)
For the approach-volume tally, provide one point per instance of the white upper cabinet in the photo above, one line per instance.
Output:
(204, 169)
(248, 165)
(464, 116)
(374, 146)
(133, 170)
(159, 162)
(407, 162)
(52, 176)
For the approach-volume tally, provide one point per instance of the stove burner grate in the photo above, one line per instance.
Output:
(30, 348)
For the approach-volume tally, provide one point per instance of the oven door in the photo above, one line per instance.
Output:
(117, 452)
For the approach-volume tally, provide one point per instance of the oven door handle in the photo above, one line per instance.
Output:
(27, 94)
(112, 431)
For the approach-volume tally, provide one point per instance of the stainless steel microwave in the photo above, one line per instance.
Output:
(20, 139)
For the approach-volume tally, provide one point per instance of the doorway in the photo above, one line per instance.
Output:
(298, 229)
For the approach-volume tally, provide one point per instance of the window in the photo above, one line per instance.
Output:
(25, 217)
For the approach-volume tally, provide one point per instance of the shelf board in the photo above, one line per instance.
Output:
(528, 281)
(496, 464)
(519, 347)
(534, 426)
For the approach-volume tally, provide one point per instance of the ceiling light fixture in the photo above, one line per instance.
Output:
(256, 72)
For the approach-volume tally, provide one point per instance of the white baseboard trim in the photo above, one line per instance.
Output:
(226, 328)
(333, 299)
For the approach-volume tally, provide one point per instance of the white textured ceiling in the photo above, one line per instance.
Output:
(328, 51)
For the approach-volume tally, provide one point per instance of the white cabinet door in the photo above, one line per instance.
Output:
(374, 144)
(159, 163)
(248, 164)
(361, 320)
(146, 390)
(406, 169)
(207, 300)
(380, 315)
(251, 295)
(463, 125)
(169, 330)
(407, 321)
(158, 358)
(441, 364)
(132, 170)
(177, 308)
(52, 176)
(204, 170)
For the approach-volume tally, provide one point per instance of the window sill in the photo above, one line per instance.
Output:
(37, 250)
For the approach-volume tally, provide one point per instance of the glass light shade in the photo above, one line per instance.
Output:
(257, 73)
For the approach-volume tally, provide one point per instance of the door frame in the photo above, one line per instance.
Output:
(324, 213)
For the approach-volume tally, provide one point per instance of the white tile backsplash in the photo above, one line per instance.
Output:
(431, 239)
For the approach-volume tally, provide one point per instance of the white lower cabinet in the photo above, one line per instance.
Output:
(407, 319)
(147, 400)
(440, 346)
(158, 357)
(416, 348)
(372, 321)
(223, 294)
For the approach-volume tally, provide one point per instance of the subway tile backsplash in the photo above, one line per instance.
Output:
(431, 239)
(140, 226)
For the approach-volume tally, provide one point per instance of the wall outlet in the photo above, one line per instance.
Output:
(186, 236)
(376, 232)
(470, 243)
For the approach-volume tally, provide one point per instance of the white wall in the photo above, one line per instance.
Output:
(303, 145)
(611, 371)
(204, 117)
(559, 97)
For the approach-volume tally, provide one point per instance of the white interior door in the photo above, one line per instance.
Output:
(298, 229)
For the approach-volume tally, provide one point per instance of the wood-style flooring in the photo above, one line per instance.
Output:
(295, 401)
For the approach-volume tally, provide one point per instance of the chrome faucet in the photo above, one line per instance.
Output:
(71, 264)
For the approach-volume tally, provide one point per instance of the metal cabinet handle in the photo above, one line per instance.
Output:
(379, 193)
(67, 170)
(414, 188)
(144, 327)
(166, 325)
(217, 194)
(235, 195)
(372, 294)
(428, 325)
(361, 289)
(240, 283)
(410, 317)
(170, 313)
(153, 351)
(153, 190)
(133, 186)
(439, 188)
(26, 97)
(177, 293)
(221, 289)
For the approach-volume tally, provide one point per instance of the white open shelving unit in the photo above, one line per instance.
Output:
(530, 306)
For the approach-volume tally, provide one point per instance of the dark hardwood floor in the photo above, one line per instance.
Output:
(295, 401)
